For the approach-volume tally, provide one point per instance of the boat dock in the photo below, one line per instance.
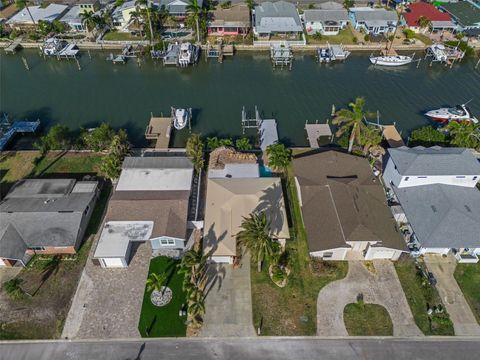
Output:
(281, 55)
(69, 52)
(392, 136)
(330, 53)
(318, 134)
(14, 46)
(444, 54)
(267, 128)
(159, 129)
(8, 131)
(218, 51)
(127, 52)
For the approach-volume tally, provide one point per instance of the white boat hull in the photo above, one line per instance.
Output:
(391, 61)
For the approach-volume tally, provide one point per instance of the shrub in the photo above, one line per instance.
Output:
(12, 288)
(366, 37)
(226, 5)
(428, 136)
(409, 34)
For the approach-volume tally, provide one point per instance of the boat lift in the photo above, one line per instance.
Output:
(9, 130)
(331, 53)
(281, 55)
(266, 128)
(444, 54)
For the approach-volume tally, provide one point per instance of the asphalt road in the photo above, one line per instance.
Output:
(246, 349)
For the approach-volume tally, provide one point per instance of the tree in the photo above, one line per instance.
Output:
(195, 11)
(57, 138)
(88, 18)
(243, 144)
(111, 164)
(427, 136)
(279, 156)
(194, 150)
(347, 4)
(255, 236)
(99, 139)
(196, 305)
(250, 4)
(464, 134)
(352, 121)
(146, 5)
(424, 22)
(23, 4)
(371, 136)
(226, 5)
(155, 282)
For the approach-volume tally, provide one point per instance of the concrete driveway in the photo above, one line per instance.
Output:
(229, 301)
(464, 321)
(379, 287)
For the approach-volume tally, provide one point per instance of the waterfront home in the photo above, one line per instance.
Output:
(434, 198)
(325, 22)
(88, 5)
(74, 20)
(122, 15)
(22, 20)
(150, 204)
(465, 14)
(178, 9)
(44, 216)
(234, 20)
(373, 21)
(344, 208)
(277, 21)
(225, 162)
(228, 201)
(438, 20)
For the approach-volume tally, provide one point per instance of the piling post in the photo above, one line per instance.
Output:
(78, 64)
(25, 63)
(478, 63)
(89, 55)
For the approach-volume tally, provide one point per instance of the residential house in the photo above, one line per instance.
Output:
(234, 20)
(277, 21)
(465, 14)
(22, 20)
(330, 5)
(225, 162)
(433, 195)
(177, 8)
(88, 5)
(122, 15)
(150, 204)
(228, 201)
(373, 21)
(73, 18)
(44, 216)
(439, 20)
(7, 10)
(325, 22)
(344, 208)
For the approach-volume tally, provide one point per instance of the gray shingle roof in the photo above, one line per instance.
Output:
(163, 162)
(434, 161)
(280, 16)
(375, 15)
(443, 216)
(325, 15)
(12, 245)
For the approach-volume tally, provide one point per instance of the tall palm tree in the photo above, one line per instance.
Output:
(155, 282)
(194, 151)
(21, 4)
(424, 22)
(279, 157)
(195, 11)
(89, 20)
(255, 236)
(146, 5)
(353, 121)
(250, 4)
(196, 305)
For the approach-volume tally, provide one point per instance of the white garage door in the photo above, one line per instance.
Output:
(383, 254)
(222, 259)
(113, 262)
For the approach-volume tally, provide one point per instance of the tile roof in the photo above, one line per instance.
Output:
(429, 11)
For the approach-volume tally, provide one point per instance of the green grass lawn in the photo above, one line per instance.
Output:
(344, 37)
(420, 295)
(468, 278)
(121, 36)
(367, 320)
(292, 310)
(69, 163)
(423, 38)
(164, 321)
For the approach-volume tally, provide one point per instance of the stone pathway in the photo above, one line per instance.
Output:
(464, 321)
(382, 287)
(229, 302)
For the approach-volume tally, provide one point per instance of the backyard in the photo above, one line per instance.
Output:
(422, 296)
(292, 310)
(367, 320)
(164, 321)
(121, 36)
(345, 37)
(468, 278)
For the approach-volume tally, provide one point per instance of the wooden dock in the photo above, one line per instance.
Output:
(392, 136)
(159, 129)
(13, 46)
(317, 131)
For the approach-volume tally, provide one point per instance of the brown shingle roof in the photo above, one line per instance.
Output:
(237, 15)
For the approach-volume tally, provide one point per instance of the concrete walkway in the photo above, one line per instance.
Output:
(464, 321)
(379, 287)
(229, 301)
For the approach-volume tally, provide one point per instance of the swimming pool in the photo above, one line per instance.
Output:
(265, 171)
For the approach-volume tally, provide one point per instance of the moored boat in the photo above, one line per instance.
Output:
(391, 60)
(447, 114)
(181, 117)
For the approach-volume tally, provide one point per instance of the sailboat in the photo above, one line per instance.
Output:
(390, 57)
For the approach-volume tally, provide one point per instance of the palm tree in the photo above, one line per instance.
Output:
(21, 4)
(424, 22)
(279, 157)
(194, 150)
(155, 282)
(193, 266)
(196, 305)
(255, 236)
(145, 4)
(243, 144)
(370, 136)
(89, 20)
(353, 121)
(464, 134)
(195, 11)
(250, 4)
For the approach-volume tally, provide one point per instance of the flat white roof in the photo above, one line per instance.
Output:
(235, 171)
(49, 13)
(155, 179)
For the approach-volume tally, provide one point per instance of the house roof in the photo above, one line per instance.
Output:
(325, 15)
(237, 15)
(12, 245)
(229, 200)
(342, 202)
(155, 174)
(466, 14)
(49, 13)
(330, 5)
(427, 10)
(435, 161)
(442, 216)
(177, 6)
(280, 16)
(73, 16)
(372, 14)
(226, 162)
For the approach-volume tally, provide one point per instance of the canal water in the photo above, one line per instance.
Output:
(125, 95)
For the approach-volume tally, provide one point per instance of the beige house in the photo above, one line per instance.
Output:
(228, 201)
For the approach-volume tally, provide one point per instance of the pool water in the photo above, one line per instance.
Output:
(265, 171)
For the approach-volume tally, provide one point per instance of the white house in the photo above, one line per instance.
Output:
(122, 15)
(22, 19)
(435, 200)
(373, 21)
(325, 22)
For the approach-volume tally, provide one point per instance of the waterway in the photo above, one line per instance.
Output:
(125, 95)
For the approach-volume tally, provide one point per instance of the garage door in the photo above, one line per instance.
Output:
(113, 262)
(383, 254)
(222, 259)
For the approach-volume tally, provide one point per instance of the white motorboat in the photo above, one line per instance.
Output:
(180, 118)
(186, 55)
(59, 47)
(447, 114)
(391, 60)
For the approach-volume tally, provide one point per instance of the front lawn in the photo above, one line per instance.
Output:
(164, 321)
(421, 296)
(423, 38)
(367, 320)
(468, 278)
(345, 37)
(121, 36)
(292, 310)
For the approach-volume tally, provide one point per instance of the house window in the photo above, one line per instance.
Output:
(460, 177)
(166, 242)
(37, 248)
(421, 177)
(406, 179)
(328, 254)
(475, 177)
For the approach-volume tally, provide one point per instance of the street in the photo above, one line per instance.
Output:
(246, 348)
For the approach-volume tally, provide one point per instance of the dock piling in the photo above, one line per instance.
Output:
(25, 63)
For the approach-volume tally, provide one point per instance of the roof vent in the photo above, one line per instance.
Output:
(468, 208)
(48, 201)
(433, 208)
(228, 176)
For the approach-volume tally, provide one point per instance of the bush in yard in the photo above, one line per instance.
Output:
(12, 288)
(99, 139)
(409, 34)
(428, 136)
(112, 163)
(366, 37)
(243, 144)
(57, 138)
